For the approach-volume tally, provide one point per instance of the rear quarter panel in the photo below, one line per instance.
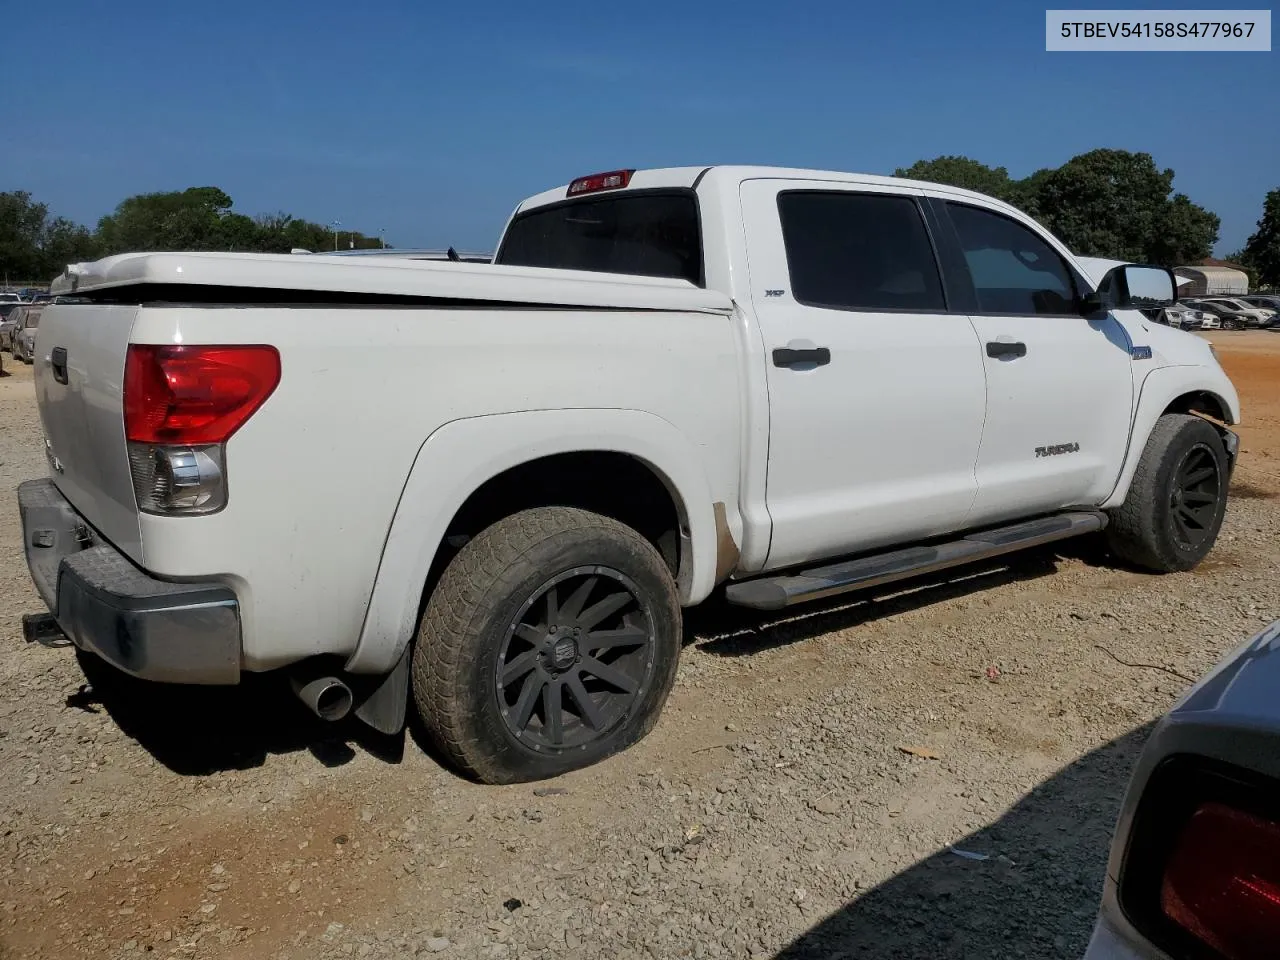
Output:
(316, 475)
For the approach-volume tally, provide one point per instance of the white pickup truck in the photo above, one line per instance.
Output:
(490, 488)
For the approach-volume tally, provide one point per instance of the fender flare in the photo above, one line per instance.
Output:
(1160, 388)
(461, 455)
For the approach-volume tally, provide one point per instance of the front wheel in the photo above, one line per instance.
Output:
(550, 642)
(1175, 506)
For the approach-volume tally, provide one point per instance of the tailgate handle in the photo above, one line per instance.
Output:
(58, 360)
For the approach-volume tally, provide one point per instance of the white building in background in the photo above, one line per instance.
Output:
(1213, 278)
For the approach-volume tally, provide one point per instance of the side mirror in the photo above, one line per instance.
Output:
(1133, 286)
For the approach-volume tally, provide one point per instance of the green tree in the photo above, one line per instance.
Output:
(22, 224)
(1262, 249)
(187, 220)
(1184, 233)
(1113, 203)
(963, 172)
(34, 246)
(64, 241)
(1026, 195)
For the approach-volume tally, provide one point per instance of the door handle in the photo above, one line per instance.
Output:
(1000, 349)
(58, 360)
(796, 356)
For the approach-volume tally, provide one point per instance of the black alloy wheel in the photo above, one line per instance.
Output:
(1193, 500)
(575, 661)
(550, 642)
(1177, 500)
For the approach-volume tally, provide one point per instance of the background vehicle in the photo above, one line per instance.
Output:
(621, 414)
(8, 313)
(1216, 316)
(1258, 315)
(1266, 301)
(14, 314)
(24, 333)
(1235, 314)
(1184, 316)
(1194, 869)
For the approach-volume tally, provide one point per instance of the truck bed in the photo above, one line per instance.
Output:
(389, 370)
(258, 278)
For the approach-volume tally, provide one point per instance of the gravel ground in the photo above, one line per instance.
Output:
(801, 797)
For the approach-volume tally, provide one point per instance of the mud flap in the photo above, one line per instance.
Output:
(384, 708)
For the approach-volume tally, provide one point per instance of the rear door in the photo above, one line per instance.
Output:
(876, 393)
(1059, 386)
(79, 374)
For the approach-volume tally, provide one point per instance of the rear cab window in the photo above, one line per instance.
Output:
(650, 233)
(859, 251)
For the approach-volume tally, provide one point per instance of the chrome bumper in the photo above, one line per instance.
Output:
(153, 629)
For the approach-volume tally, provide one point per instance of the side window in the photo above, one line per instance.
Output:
(859, 251)
(1013, 270)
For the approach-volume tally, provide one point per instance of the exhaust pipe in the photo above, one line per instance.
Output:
(327, 697)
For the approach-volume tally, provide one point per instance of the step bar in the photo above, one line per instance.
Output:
(785, 590)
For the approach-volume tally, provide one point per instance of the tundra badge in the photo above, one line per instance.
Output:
(1056, 449)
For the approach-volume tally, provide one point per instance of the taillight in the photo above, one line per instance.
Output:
(613, 180)
(1222, 882)
(181, 404)
(1200, 873)
(193, 394)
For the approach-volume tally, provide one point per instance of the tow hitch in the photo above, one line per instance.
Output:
(41, 628)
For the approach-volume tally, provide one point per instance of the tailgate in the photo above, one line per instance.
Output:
(79, 373)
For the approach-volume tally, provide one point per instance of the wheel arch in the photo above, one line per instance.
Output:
(1177, 389)
(1204, 402)
(475, 470)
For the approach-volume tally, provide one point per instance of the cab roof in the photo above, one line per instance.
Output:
(728, 175)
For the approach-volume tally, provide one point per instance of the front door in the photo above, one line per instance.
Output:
(876, 392)
(1059, 386)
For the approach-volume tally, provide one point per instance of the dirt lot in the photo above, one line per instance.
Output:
(773, 811)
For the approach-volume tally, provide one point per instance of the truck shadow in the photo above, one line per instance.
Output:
(719, 628)
(1035, 895)
(197, 731)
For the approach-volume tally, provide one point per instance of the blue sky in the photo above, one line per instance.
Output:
(431, 120)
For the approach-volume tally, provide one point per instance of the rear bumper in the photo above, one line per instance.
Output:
(153, 629)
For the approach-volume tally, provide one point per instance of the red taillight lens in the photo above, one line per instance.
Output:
(194, 394)
(613, 180)
(1222, 883)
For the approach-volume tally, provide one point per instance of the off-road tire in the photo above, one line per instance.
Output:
(1143, 530)
(456, 664)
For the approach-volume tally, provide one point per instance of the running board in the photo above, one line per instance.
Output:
(775, 593)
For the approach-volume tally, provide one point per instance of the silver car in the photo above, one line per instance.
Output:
(24, 336)
(11, 314)
(1195, 860)
(1184, 316)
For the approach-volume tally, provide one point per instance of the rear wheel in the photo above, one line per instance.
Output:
(1171, 516)
(550, 643)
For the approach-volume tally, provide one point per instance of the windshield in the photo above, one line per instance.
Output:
(652, 234)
